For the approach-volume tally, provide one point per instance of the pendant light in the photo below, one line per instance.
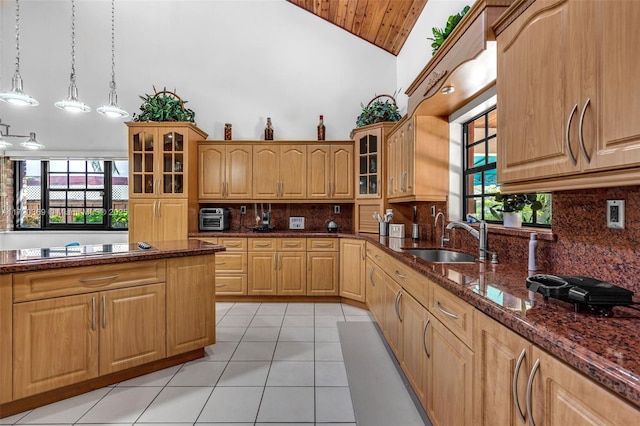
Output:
(113, 110)
(16, 96)
(72, 104)
(4, 144)
(31, 143)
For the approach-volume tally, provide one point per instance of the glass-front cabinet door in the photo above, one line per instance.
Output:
(173, 165)
(368, 166)
(142, 177)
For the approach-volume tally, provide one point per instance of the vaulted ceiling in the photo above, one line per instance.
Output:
(385, 23)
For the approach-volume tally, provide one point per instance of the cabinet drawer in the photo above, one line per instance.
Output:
(291, 244)
(412, 281)
(84, 279)
(233, 244)
(231, 284)
(231, 262)
(262, 244)
(453, 312)
(376, 254)
(322, 244)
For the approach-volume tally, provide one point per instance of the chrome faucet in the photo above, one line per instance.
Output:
(443, 239)
(480, 234)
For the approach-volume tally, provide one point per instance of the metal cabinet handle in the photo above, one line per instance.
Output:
(514, 386)
(159, 208)
(89, 280)
(373, 284)
(93, 313)
(439, 306)
(323, 244)
(574, 160)
(396, 304)
(104, 311)
(362, 253)
(530, 391)
(391, 185)
(404, 182)
(291, 245)
(275, 262)
(262, 244)
(399, 310)
(400, 275)
(232, 244)
(225, 189)
(221, 263)
(377, 257)
(580, 132)
(220, 285)
(424, 337)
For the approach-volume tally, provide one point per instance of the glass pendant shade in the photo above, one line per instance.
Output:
(32, 143)
(5, 143)
(72, 104)
(113, 110)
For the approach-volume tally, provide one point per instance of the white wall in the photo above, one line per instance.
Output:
(236, 61)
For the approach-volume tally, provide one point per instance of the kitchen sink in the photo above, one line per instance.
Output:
(441, 256)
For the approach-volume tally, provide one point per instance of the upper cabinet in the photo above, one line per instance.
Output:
(330, 172)
(224, 171)
(279, 171)
(369, 156)
(159, 159)
(564, 123)
(418, 160)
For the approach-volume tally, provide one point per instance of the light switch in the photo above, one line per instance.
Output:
(615, 214)
(296, 223)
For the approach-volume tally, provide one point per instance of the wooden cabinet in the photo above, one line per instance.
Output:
(574, 117)
(323, 260)
(277, 266)
(414, 355)
(352, 269)
(191, 297)
(85, 336)
(224, 172)
(232, 267)
(330, 172)
(418, 160)
(279, 171)
(370, 159)
(375, 290)
(162, 166)
(158, 220)
(392, 318)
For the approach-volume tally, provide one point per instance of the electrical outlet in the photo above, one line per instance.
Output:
(615, 214)
(243, 209)
(296, 222)
(336, 209)
(433, 211)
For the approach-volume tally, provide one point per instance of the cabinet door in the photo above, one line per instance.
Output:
(142, 162)
(563, 396)
(369, 164)
(611, 118)
(342, 172)
(322, 273)
(172, 222)
(449, 377)
(265, 171)
(352, 269)
(414, 356)
(318, 171)
(191, 296)
(239, 184)
(172, 161)
(392, 325)
(375, 290)
(262, 274)
(142, 219)
(292, 274)
(393, 166)
(293, 172)
(68, 328)
(408, 149)
(534, 116)
(211, 171)
(501, 356)
(132, 327)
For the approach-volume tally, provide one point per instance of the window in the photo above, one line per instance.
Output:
(480, 178)
(71, 194)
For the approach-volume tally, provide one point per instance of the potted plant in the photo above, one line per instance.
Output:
(164, 106)
(512, 205)
(377, 111)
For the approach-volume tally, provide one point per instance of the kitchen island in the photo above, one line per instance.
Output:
(73, 319)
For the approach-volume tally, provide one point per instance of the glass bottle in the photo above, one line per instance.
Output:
(227, 131)
(321, 129)
(268, 130)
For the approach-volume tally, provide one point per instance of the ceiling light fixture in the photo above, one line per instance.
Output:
(113, 110)
(448, 89)
(16, 96)
(31, 143)
(72, 104)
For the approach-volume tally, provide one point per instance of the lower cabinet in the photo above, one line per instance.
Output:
(291, 273)
(352, 269)
(322, 273)
(392, 319)
(65, 340)
(375, 290)
(277, 267)
(414, 352)
(160, 219)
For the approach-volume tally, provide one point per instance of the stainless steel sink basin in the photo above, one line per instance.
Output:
(441, 256)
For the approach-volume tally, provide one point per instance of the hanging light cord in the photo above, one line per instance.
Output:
(17, 37)
(113, 45)
(73, 41)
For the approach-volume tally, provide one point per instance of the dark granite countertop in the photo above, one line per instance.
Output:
(98, 254)
(607, 349)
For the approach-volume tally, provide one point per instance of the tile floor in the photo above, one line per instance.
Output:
(272, 363)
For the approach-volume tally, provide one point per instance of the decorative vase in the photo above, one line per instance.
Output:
(512, 219)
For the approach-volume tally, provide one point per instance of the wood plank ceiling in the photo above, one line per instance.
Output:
(385, 23)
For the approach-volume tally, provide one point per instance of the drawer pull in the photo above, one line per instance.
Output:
(322, 244)
(232, 244)
(373, 284)
(534, 370)
(424, 337)
(400, 275)
(263, 244)
(220, 285)
(93, 313)
(514, 386)
(292, 244)
(580, 134)
(90, 280)
(221, 263)
(104, 311)
(439, 306)
(574, 160)
(378, 258)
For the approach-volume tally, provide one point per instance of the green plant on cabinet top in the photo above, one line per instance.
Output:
(440, 35)
(164, 106)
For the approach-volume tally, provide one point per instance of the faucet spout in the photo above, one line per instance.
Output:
(443, 238)
(480, 234)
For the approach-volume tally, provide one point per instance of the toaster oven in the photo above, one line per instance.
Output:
(214, 219)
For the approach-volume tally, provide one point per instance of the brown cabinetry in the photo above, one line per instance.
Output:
(418, 160)
(352, 269)
(224, 172)
(279, 171)
(162, 171)
(277, 266)
(330, 172)
(574, 118)
(323, 260)
(375, 290)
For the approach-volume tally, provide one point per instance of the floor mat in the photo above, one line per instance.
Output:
(378, 390)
